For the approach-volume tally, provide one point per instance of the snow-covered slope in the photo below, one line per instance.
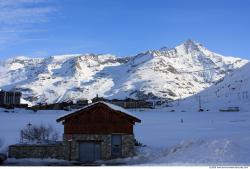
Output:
(232, 91)
(179, 72)
(167, 73)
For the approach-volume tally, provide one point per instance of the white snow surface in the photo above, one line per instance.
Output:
(166, 73)
(232, 91)
(118, 108)
(204, 138)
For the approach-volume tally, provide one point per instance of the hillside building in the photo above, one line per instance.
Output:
(10, 97)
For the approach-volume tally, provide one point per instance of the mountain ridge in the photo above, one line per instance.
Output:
(168, 73)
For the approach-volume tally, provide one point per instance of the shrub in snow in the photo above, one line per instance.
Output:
(38, 134)
(3, 157)
(139, 144)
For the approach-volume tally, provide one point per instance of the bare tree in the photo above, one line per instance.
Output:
(38, 134)
(3, 155)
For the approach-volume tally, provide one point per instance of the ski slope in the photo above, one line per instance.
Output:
(232, 91)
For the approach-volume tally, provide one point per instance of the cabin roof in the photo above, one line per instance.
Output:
(111, 106)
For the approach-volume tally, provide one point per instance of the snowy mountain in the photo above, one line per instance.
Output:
(165, 73)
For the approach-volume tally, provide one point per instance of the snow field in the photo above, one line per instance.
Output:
(204, 138)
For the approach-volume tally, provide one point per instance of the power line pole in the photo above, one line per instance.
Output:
(199, 103)
(179, 99)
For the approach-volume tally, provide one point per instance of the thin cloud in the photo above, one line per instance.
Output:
(18, 17)
(24, 15)
(15, 3)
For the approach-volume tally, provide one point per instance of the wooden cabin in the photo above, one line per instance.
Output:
(99, 131)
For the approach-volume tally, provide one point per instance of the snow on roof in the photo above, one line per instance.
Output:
(112, 106)
(118, 108)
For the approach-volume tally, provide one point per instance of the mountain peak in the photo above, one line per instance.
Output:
(191, 43)
(190, 46)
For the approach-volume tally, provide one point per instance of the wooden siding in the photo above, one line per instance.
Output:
(98, 120)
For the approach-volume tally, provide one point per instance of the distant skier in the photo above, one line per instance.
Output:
(181, 120)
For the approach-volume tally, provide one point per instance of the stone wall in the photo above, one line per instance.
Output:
(73, 154)
(128, 143)
(72, 147)
(69, 150)
(37, 151)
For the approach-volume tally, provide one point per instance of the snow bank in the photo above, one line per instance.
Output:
(192, 152)
(203, 152)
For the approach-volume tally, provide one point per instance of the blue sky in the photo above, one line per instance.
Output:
(121, 27)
